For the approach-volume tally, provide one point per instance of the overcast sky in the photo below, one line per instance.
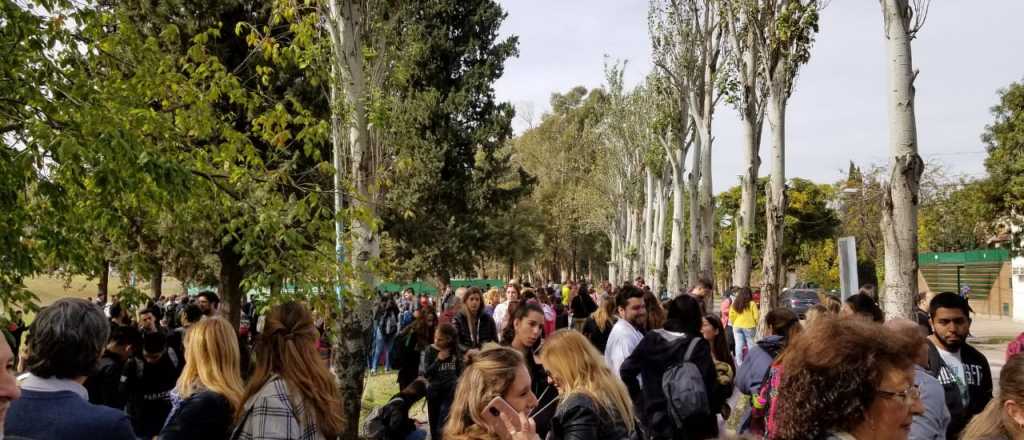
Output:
(966, 52)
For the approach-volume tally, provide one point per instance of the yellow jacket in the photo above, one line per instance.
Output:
(747, 319)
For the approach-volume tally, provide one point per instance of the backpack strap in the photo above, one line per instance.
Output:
(689, 350)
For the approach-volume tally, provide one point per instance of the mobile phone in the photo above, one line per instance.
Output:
(492, 414)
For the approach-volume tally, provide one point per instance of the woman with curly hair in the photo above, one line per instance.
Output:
(847, 379)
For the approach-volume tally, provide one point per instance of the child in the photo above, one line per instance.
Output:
(441, 366)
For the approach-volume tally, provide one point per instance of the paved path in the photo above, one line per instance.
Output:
(990, 337)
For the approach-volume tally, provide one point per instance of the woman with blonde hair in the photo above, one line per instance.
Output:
(209, 390)
(599, 325)
(492, 372)
(595, 403)
(1003, 417)
(291, 393)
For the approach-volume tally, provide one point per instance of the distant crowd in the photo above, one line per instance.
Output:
(517, 362)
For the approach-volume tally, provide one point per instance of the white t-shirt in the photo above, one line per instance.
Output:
(621, 341)
(956, 366)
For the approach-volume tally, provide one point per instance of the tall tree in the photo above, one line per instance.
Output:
(687, 37)
(750, 101)
(787, 33)
(452, 165)
(1004, 139)
(902, 19)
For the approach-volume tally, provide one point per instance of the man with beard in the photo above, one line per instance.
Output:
(962, 369)
(208, 302)
(627, 331)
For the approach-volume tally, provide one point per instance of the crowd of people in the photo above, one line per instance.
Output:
(518, 362)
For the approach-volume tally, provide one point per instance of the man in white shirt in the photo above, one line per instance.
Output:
(501, 310)
(625, 335)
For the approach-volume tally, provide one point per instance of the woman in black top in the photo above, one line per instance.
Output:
(412, 340)
(474, 327)
(656, 352)
(599, 324)
(209, 390)
(441, 365)
(524, 334)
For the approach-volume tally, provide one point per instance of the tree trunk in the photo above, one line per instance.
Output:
(775, 206)
(745, 224)
(675, 258)
(900, 194)
(613, 262)
(707, 207)
(644, 254)
(156, 283)
(346, 21)
(104, 282)
(230, 283)
(659, 235)
(350, 351)
(693, 261)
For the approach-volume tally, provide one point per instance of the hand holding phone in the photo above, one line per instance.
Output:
(508, 423)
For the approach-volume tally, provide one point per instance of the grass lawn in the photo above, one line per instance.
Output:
(50, 288)
(379, 389)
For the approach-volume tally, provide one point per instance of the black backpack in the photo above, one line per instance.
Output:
(683, 385)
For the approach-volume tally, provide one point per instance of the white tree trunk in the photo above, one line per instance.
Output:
(707, 207)
(645, 255)
(900, 195)
(775, 205)
(693, 260)
(345, 22)
(659, 234)
(745, 223)
(677, 165)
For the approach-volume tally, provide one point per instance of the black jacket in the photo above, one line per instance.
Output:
(651, 357)
(202, 416)
(486, 331)
(595, 335)
(979, 386)
(104, 385)
(579, 418)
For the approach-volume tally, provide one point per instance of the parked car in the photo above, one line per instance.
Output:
(799, 300)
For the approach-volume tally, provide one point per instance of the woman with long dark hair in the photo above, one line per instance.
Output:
(291, 393)
(524, 333)
(678, 341)
(743, 316)
(413, 339)
(725, 369)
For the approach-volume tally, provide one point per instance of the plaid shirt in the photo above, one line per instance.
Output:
(272, 415)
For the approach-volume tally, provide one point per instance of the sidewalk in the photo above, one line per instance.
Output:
(985, 328)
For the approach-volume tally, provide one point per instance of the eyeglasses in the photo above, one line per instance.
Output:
(908, 396)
